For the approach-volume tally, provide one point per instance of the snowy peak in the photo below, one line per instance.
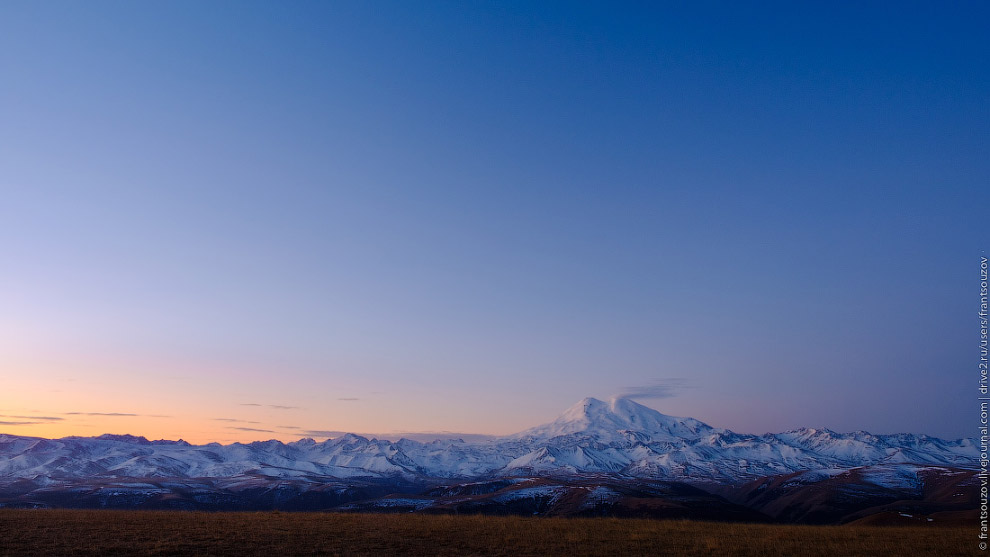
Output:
(619, 417)
(132, 439)
(619, 436)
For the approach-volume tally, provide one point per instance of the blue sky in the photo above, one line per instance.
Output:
(468, 216)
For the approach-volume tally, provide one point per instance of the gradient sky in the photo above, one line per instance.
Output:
(251, 220)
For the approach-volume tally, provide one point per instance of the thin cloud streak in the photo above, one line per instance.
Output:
(421, 436)
(45, 418)
(275, 406)
(108, 414)
(116, 415)
(428, 436)
(323, 433)
(659, 389)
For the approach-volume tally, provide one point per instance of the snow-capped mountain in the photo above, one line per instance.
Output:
(619, 437)
(615, 421)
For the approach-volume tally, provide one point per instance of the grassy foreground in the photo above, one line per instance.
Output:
(79, 532)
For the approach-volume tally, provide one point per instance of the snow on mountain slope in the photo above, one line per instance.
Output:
(617, 420)
(617, 437)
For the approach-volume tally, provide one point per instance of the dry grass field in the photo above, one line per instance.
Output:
(86, 532)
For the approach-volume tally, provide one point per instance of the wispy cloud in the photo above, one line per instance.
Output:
(275, 406)
(661, 388)
(422, 436)
(44, 418)
(21, 423)
(251, 429)
(289, 427)
(115, 414)
(110, 414)
(235, 420)
(323, 433)
(427, 436)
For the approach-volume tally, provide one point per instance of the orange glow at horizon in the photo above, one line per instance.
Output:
(51, 400)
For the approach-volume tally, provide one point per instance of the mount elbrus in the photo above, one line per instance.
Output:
(615, 457)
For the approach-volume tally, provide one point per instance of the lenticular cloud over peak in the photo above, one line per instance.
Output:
(659, 389)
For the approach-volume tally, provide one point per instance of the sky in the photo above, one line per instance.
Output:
(232, 221)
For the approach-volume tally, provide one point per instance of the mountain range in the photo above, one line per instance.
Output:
(618, 446)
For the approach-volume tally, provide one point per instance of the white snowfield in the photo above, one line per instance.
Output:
(618, 437)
